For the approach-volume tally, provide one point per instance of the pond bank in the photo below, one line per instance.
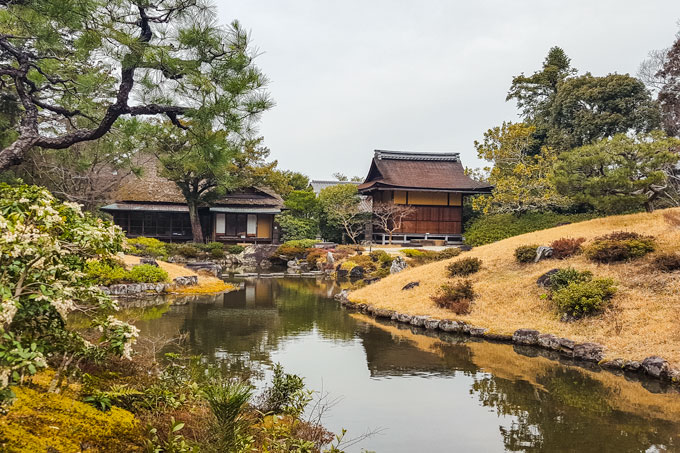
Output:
(560, 348)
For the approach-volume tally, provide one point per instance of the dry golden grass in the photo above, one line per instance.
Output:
(206, 283)
(643, 320)
(502, 362)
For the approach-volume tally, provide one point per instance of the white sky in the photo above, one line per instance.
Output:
(352, 76)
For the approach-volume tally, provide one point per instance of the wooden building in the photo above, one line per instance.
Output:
(435, 184)
(153, 206)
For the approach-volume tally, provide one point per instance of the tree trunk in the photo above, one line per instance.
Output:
(196, 230)
(649, 205)
(390, 238)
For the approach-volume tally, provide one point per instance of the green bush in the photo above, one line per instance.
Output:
(111, 273)
(106, 272)
(448, 253)
(585, 298)
(150, 247)
(456, 297)
(302, 243)
(619, 246)
(494, 227)
(667, 262)
(147, 273)
(526, 253)
(297, 228)
(381, 257)
(563, 277)
(413, 253)
(235, 249)
(464, 267)
(187, 250)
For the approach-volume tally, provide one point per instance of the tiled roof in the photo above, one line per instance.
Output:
(420, 171)
(318, 185)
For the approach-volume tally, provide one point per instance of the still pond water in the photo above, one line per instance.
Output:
(426, 392)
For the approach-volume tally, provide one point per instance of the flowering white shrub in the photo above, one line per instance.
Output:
(44, 247)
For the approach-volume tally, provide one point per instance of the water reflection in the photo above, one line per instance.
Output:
(433, 392)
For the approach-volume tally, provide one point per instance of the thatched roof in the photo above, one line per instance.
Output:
(150, 187)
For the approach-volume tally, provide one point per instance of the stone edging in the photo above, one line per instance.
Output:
(137, 289)
(654, 366)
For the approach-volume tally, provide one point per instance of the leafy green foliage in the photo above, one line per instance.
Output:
(147, 273)
(491, 228)
(235, 249)
(151, 247)
(106, 273)
(619, 246)
(187, 250)
(525, 253)
(620, 173)
(566, 247)
(287, 394)
(464, 267)
(589, 108)
(667, 262)
(455, 297)
(103, 273)
(584, 298)
(16, 362)
(521, 176)
(174, 442)
(45, 246)
(228, 401)
(302, 243)
(294, 228)
(563, 277)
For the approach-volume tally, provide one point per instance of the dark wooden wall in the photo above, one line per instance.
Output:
(434, 220)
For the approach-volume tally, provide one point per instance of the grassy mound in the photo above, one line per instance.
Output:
(640, 321)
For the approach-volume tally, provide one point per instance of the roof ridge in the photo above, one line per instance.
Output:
(411, 155)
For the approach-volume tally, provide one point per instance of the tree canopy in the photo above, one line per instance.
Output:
(521, 179)
(71, 68)
(619, 173)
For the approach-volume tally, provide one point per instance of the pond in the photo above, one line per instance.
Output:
(425, 392)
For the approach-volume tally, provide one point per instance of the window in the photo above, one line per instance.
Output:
(220, 224)
(251, 228)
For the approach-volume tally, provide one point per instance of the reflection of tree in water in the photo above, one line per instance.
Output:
(243, 327)
(566, 410)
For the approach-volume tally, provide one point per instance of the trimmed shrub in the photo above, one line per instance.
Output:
(464, 267)
(364, 261)
(302, 243)
(105, 272)
(382, 257)
(315, 255)
(187, 250)
(491, 228)
(563, 277)
(566, 247)
(667, 262)
(348, 265)
(447, 253)
(456, 297)
(147, 273)
(235, 249)
(412, 253)
(291, 251)
(143, 246)
(111, 273)
(580, 299)
(619, 246)
(526, 253)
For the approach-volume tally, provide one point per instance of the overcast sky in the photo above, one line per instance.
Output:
(352, 76)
